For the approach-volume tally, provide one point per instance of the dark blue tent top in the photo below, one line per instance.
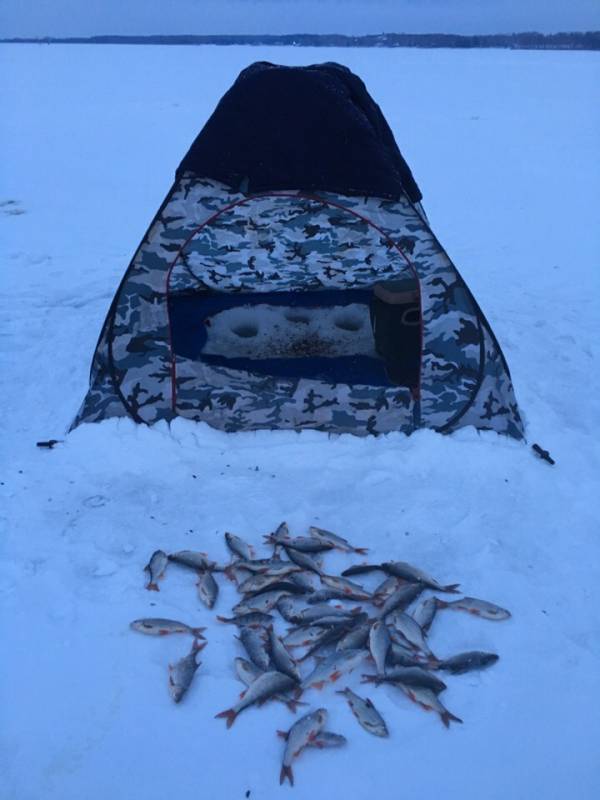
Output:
(309, 128)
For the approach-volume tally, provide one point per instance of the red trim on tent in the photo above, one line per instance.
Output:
(294, 196)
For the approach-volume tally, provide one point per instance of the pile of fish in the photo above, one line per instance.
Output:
(333, 621)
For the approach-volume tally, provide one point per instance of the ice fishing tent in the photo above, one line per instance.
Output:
(290, 279)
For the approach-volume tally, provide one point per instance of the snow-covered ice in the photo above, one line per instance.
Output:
(506, 149)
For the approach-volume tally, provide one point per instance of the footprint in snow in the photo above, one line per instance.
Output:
(11, 207)
(95, 501)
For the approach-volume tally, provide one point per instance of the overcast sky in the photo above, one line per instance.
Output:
(88, 17)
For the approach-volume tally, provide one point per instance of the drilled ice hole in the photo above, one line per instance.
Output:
(349, 322)
(245, 331)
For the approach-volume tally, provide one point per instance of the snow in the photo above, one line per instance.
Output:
(505, 147)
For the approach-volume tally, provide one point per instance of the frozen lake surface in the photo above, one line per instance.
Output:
(505, 146)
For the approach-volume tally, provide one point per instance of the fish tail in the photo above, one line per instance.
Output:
(229, 715)
(152, 587)
(197, 632)
(283, 734)
(199, 645)
(361, 550)
(369, 679)
(447, 716)
(286, 772)
(228, 620)
(441, 603)
(451, 588)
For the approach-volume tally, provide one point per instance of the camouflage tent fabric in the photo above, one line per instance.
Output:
(206, 237)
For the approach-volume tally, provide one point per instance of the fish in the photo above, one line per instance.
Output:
(403, 570)
(266, 566)
(331, 634)
(255, 642)
(348, 589)
(400, 623)
(155, 569)
(262, 602)
(156, 626)
(331, 669)
(248, 672)
(429, 701)
(327, 739)
(303, 560)
(366, 713)
(323, 595)
(303, 637)
(207, 588)
(336, 541)
(194, 560)
(319, 612)
(401, 598)
(408, 676)
(181, 674)
(379, 644)
(239, 547)
(466, 662)
(479, 608)
(356, 638)
(402, 655)
(425, 612)
(305, 544)
(253, 618)
(282, 660)
(304, 579)
(385, 589)
(297, 738)
(264, 687)
(360, 569)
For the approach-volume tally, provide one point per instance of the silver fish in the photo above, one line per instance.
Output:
(298, 613)
(248, 672)
(253, 618)
(327, 739)
(331, 634)
(255, 642)
(408, 676)
(400, 623)
(361, 569)
(156, 626)
(466, 662)
(265, 686)
(305, 544)
(303, 637)
(379, 644)
(262, 603)
(331, 669)
(282, 660)
(479, 608)
(386, 589)
(337, 541)
(193, 559)
(303, 560)
(155, 569)
(425, 612)
(366, 713)
(181, 674)
(298, 737)
(265, 566)
(403, 655)
(207, 589)
(403, 570)
(356, 638)
(239, 547)
(319, 612)
(401, 598)
(429, 701)
(323, 595)
(303, 579)
(350, 590)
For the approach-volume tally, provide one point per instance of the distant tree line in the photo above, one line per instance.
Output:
(517, 41)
